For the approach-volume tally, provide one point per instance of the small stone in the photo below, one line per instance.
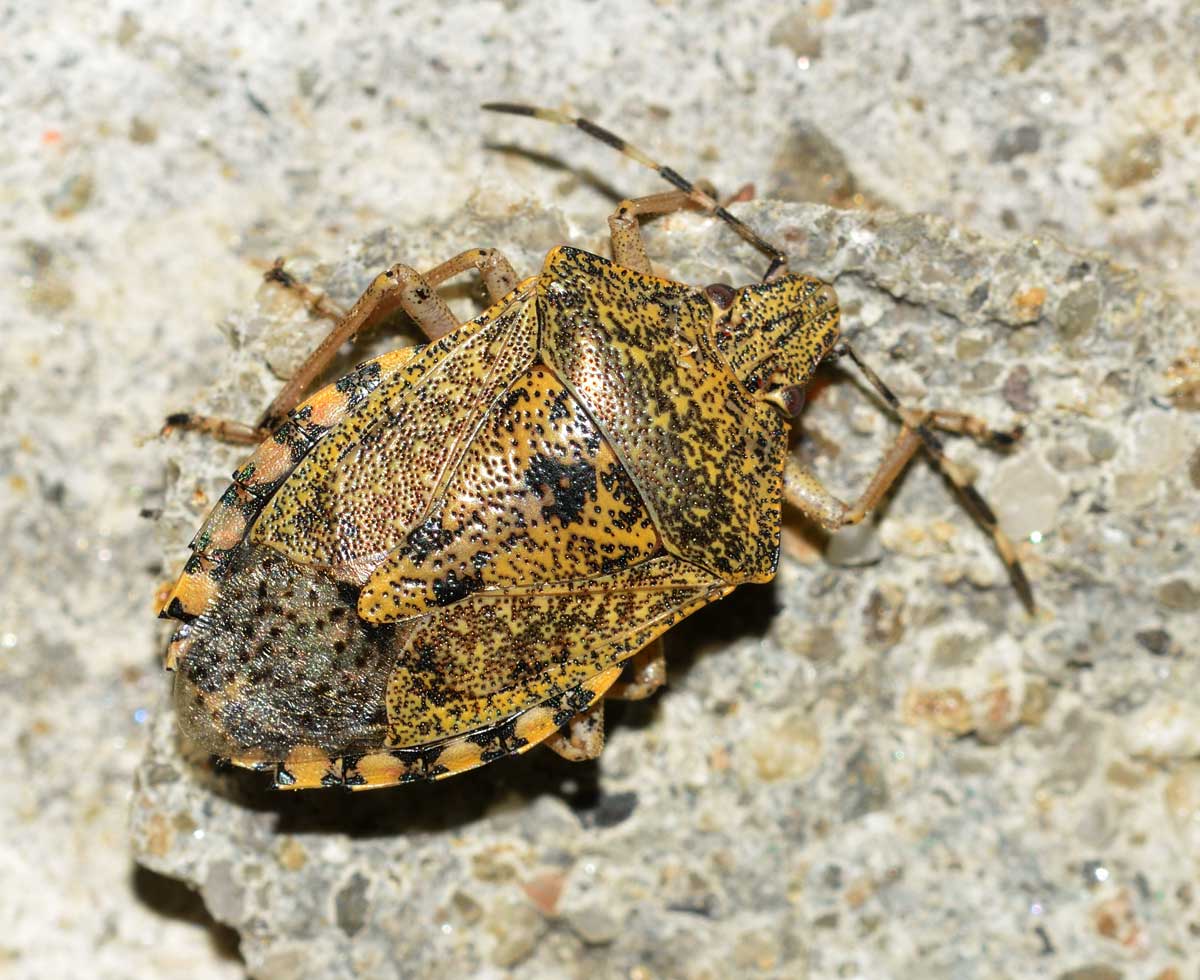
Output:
(224, 895)
(490, 865)
(1158, 641)
(594, 923)
(1160, 444)
(1028, 39)
(291, 854)
(997, 711)
(864, 787)
(517, 927)
(1115, 918)
(157, 837)
(1101, 445)
(1078, 311)
(73, 196)
(1035, 703)
(883, 617)
(466, 909)
(1182, 795)
(798, 33)
(544, 890)
(1179, 595)
(1183, 380)
(939, 709)
(1094, 971)
(1137, 159)
(819, 644)
(1126, 775)
(1028, 304)
(1075, 756)
(1026, 493)
(1017, 392)
(970, 348)
(350, 904)
(1016, 142)
(141, 132)
(758, 950)
(788, 749)
(1163, 730)
(128, 28)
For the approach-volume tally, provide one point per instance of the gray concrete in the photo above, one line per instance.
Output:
(885, 770)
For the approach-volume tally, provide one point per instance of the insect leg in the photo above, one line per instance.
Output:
(582, 737)
(960, 423)
(627, 246)
(778, 264)
(497, 272)
(645, 672)
(401, 287)
(805, 492)
(318, 303)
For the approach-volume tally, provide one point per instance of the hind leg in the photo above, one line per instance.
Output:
(581, 738)
(645, 672)
(401, 287)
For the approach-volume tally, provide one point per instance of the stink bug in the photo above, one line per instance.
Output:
(458, 550)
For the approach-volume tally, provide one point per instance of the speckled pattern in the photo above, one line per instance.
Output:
(791, 804)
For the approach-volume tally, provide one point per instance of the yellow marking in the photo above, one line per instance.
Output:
(495, 654)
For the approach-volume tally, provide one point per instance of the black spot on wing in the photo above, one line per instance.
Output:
(571, 484)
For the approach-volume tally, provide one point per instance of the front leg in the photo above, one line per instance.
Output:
(807, 494)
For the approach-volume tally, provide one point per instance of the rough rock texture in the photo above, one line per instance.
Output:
(157, 154)
(886, 769)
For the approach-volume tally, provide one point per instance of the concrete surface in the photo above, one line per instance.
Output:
(891, 770)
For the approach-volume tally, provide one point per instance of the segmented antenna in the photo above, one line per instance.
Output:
(778, 259)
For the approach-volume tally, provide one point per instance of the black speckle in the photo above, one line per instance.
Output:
(452, 587)
(570, 484)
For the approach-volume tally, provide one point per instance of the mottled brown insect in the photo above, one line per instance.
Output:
(458, 550)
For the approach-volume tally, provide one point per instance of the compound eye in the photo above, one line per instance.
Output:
(721, 294)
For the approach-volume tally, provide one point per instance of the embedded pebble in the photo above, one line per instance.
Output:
(1163, 731)
(517, 927)
(789, 749)
(1181, 797)
(1159, 443)
(855, 546)
(1078, 311)
(1026, 494)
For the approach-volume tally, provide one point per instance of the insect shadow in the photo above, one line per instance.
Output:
(547, 160)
